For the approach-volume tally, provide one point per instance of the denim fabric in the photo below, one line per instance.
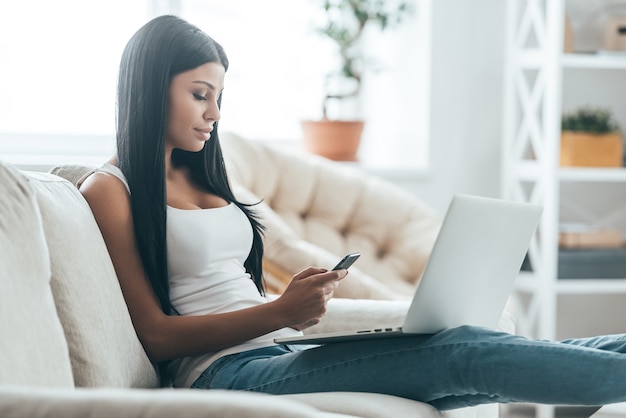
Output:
(455, 368)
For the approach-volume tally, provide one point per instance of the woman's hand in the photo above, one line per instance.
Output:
(304, 301)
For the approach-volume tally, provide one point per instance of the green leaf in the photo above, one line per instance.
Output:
(590, 119)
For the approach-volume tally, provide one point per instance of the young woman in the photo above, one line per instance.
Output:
(188, 258)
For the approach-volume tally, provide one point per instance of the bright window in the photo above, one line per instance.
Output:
(276, 63)
(60, 62)
(58, 77)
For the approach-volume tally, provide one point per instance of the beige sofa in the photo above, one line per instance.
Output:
(68, 346)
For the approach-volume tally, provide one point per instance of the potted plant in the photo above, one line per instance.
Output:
(590, 137)
(344, 22)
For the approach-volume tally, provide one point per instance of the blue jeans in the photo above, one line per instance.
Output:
(455, 368)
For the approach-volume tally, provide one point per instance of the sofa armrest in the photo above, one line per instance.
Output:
(23, 402)
(351, 314)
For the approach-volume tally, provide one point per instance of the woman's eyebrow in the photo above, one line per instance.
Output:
(209, 85)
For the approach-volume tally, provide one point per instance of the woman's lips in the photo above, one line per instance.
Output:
(205, 134)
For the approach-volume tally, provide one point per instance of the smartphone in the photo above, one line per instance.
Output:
(347, 261)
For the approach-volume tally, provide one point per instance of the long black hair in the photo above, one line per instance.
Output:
(162, 48)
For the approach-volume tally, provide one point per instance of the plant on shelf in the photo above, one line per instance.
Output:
(344, 22)
(591, 137)
(592, 120)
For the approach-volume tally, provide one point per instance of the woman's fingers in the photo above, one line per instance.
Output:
(308, 272)
(306, 297)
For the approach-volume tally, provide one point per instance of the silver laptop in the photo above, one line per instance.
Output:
(470, 273)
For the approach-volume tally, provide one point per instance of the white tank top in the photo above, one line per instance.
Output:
(206, 251)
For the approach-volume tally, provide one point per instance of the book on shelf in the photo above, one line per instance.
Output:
(589, 236)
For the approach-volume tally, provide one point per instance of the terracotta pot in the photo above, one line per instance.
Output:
(334, 139)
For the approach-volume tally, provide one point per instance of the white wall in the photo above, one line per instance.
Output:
(467, 68)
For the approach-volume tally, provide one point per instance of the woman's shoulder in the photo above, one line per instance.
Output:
(106, 176)
(105, 187)
(111, 171)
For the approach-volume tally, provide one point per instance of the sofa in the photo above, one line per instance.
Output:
(67, 342)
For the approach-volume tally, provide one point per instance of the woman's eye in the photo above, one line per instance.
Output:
(199, 96)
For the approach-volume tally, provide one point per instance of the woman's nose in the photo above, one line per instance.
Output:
(212, 112)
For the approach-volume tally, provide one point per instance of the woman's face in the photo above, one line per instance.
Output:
(192, 106)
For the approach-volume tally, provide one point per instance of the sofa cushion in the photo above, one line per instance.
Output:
(104, 348)
(34, 350)
(370, 405)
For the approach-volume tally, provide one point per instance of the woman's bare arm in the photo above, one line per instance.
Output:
(165, 337)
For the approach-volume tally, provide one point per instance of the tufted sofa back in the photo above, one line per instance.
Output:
(316, 211)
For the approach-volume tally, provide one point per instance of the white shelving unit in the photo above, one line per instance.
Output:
(535, 67)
